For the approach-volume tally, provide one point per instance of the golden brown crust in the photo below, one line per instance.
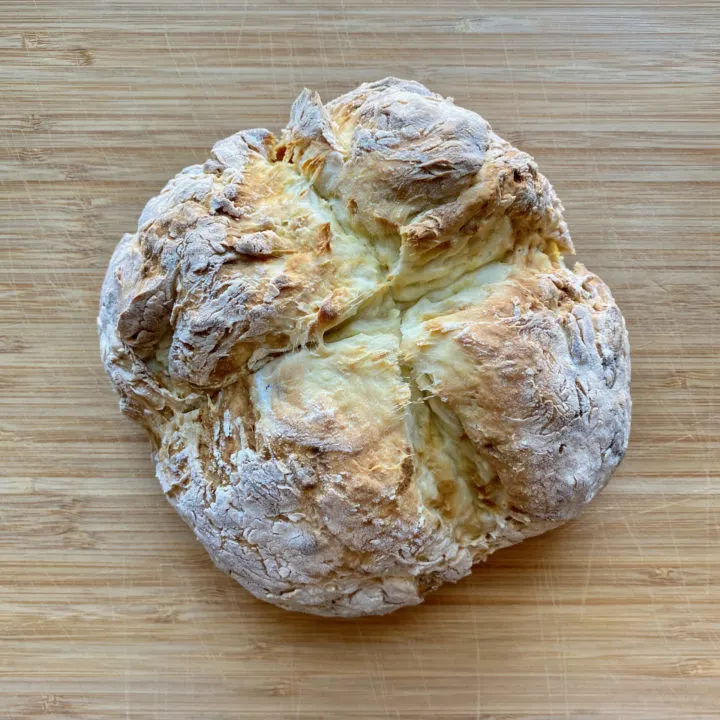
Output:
(360, 357)
(537, 376)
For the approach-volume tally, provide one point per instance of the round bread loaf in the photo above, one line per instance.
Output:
(360, 358)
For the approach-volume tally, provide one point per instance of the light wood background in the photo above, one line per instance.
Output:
(110, 609)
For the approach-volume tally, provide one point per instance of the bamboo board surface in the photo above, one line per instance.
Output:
(110, 609)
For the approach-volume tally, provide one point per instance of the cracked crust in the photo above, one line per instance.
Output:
(361, 360)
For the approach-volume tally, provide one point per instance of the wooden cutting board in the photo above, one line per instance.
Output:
(110, 609)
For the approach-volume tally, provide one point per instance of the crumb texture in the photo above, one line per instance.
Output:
(359, 355)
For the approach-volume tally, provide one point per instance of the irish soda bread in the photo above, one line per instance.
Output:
(361, 360)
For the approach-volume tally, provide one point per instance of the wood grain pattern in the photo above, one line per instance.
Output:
(110, 609)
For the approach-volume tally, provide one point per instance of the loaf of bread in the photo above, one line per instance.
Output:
(361, 360)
